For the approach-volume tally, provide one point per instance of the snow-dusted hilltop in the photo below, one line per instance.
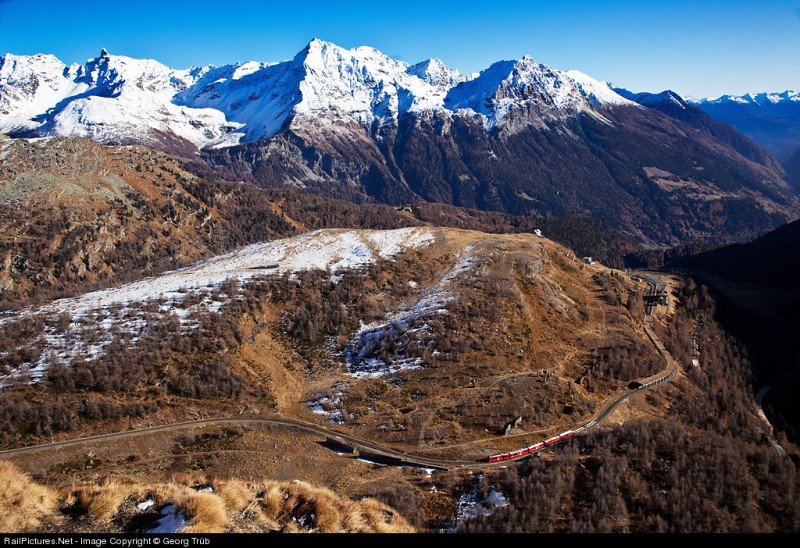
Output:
(116, 99)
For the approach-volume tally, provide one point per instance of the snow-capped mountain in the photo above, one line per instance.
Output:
(112, 99)
(29, 86)
(538, 92)
(117, 99)
(519, 136)
(770, 119)
(761, 99)
(323, 80)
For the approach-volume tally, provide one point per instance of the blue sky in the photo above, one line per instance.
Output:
(698, 48)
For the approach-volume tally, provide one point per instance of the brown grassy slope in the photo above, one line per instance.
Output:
(524, 322)
(209, 505)
(73, 213)
(523, 329)
(24, 505)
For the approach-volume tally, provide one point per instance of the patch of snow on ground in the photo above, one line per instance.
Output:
(145, 505)
(362, 459)
(470, 505)
(367, 341)
(328, 405)
(120, 307)
(388, 246)
(377, 367)
(173, 521)
(465, 263)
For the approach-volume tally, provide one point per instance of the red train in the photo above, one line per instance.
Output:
(532, 448)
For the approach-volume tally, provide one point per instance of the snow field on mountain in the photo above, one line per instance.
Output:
(322, 249)
(119, 99)
(359, 353)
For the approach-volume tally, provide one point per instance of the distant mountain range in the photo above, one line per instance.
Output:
(770, 119)
(518, 137)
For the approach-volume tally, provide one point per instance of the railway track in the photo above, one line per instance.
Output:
(352, 444)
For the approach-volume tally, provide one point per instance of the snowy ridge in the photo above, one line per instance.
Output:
(598, 93)
(760, 99)
(666, 97)
(120, 307)
(30, 86)
(112, 99)
(322, 80)
(117, 99)
(437, 74)
(322, 249)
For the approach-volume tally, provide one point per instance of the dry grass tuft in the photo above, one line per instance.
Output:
(329, 514)
(235, 493)
(23, 503)
(295, 507)
(300, 507)
(354, 521)
(206, 512)
(100, 501)
(382, 519)
(272, 502)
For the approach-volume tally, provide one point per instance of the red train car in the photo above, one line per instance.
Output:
(560, 437)
(532, 448)
(536, 447)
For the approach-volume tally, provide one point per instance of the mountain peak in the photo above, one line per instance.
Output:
(436, 73)
(654, 100)
(360, 83)
(318, 46)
